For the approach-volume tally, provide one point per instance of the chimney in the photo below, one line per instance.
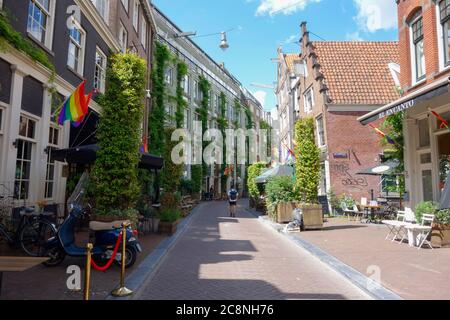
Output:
(304, 33)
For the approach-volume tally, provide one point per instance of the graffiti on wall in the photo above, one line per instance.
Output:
(347, 178)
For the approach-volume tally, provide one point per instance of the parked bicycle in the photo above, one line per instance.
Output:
(32, 232)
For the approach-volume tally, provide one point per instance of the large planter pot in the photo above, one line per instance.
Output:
(284, 212)
(168, 227)
(312, 216)
(440, 235)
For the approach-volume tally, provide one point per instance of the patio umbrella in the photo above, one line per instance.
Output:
(387, 168)
(445, 199)
(278, 171)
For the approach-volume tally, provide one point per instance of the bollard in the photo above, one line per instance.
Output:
(87, 275)
(122, 291)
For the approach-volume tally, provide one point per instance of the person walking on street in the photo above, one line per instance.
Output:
(232, 198)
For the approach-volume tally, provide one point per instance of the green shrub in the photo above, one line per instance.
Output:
(279, 190)
(346, 201)
(443, 217)
(308, 161)
(187, 187)
(170, 215)
(425, 207)
(254, 171)
(171, 173)
(119, 135)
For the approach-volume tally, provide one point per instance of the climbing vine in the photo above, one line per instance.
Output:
(119, 135)
(249, 115)
(204, 87)
(157, 115)
(263, 125)
(223, 124)
(182, 71)
(237, 112)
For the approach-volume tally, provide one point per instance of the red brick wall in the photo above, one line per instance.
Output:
(407, 8)
(346, 135)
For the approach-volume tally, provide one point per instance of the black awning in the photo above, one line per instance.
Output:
(406, 102)
(88, 154)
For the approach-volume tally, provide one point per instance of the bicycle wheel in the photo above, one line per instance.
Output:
(35, 235)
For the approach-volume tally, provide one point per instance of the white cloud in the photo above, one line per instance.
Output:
(261, 97)
(374, 15)
(354, 36)
(273, 7)
(291, 39)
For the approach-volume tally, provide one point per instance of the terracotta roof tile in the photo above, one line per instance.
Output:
(357, 72)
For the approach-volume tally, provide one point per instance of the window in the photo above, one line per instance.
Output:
(1, 120)
(185, 84)
(39, 20)
(196, 90)
(75, 56)
(417, 44)
(102, 8)
(136, 14)
(444, 10)
(23, 169)
(169, 76)
(27, 128)
(50, 173)
(125, 4)
(123, 38)
(216, 103)
(320, 131)
(100, 71)
(143, 34)
(309, 100)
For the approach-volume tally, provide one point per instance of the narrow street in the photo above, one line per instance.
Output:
(222, 258)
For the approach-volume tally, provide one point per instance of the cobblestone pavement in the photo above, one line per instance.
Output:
(222, 258)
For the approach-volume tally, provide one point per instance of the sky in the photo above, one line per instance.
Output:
(259, 27)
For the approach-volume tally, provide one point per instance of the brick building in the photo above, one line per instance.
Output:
(339, 82)
(425, 70)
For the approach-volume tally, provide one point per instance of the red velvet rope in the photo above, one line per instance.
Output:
(113, 257)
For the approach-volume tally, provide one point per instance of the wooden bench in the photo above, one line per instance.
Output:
(186, 205)
(17, 264)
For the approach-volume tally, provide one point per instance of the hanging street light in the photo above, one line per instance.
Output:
(223, 42)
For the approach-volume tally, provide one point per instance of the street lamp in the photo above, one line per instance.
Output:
(223, 42)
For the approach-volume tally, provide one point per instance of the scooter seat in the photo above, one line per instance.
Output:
(106, 226)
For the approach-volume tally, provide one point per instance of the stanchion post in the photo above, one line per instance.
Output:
(123, 291)
(87, 275)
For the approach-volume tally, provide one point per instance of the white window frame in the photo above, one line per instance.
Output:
(123, 42)
(2, 119)
(415, 79)
(36, 122)
(47, 163)
(168, 76)
(126, 4)
(48, 39)
(82, 52)
(440, 35)
(308, 108)
(186, 84)
(319, 142)
(102, 86)
(143, 33)
(105, 14)
(136, 7)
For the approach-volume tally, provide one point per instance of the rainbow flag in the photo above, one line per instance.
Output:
(444, 123)
(144, 146)
(383, 135)
(291, 156)
(75, 108)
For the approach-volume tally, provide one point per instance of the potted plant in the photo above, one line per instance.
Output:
(425, 207)
(308, 174)
(440, 235)
(254, 189)
(280, 198)
(169, 220)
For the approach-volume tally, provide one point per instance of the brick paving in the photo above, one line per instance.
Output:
(221, 258)
(411, 273)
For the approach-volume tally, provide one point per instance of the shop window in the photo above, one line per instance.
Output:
(424, 133)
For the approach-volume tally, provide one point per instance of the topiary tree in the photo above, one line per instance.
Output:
(308, 161)
(119, 135)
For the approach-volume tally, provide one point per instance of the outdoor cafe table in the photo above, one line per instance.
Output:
(373, 210)
(17, 264)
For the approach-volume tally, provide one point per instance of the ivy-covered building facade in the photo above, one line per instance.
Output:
(197, 88)
(46, 51)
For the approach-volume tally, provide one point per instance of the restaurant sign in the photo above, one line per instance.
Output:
(398, 108)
